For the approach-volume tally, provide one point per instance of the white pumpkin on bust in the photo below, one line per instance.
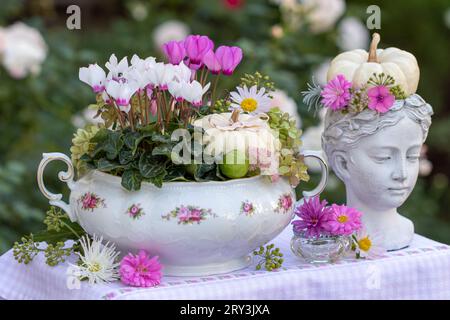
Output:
(359, 65)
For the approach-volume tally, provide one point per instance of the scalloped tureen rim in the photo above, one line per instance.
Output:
(115, 180)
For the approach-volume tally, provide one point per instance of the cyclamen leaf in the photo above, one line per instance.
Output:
(149, 167)
(162, 150)
(130, 139)
(113, 145)
(131, 180)
(125, 156)
(156, 137)
(107, 165)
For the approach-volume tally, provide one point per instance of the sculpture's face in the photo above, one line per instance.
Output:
(383, 167)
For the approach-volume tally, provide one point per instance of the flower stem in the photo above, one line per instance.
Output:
(213, 97)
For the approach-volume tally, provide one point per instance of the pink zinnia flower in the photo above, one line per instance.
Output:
(313, 214)
(336, 94)
(140, 270)
(380, 99)
(343, 220)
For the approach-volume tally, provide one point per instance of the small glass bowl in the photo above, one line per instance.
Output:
(322, 249)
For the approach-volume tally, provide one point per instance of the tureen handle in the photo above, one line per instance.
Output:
(323, 167)
(64, 176)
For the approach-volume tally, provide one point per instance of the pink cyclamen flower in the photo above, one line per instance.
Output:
(380, 99)
(229, 58)
(140, 270)
(336, 94)
(196, 47)
(211, 62)
(174, 51)
(343, 220)
(313, 213)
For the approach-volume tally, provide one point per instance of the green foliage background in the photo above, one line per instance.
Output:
(36, 112)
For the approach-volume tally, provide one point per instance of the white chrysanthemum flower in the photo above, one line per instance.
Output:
(250, 100)
(98, 262)
(369, 246)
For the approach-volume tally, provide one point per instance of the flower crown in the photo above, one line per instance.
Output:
(339, 94)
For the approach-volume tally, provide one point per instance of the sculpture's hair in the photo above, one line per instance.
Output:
(343, 131)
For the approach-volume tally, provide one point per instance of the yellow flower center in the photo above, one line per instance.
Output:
(365, 244)
(95, 267)
(249, 104)
(342, 219)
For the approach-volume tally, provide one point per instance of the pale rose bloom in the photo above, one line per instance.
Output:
(22, 50)
(320, 72)
(353, 34)
(286, 104)
(169, 30)
(323, 14)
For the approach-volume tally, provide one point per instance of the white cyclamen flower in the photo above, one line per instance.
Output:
(182, 73)
(143, 65)
(176, 89)
(353, 34)
(369, 246)
(161, 75)
(250, 100)
(116, 69)
(22, 50)
(122, 92)
(193, 92)
(94, 76)
(98, 262)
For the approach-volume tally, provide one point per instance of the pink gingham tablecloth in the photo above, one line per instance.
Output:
(421, 271)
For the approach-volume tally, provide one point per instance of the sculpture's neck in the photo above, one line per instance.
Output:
(372, 217)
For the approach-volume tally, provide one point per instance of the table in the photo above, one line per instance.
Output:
(421, 271)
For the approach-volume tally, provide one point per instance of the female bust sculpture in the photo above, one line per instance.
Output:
(376, 155)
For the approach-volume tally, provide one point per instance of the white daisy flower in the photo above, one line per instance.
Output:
(369, 246)
(250, 100)
(98, 262)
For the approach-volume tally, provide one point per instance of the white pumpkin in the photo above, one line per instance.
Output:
(228, 131)
(359, 65)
